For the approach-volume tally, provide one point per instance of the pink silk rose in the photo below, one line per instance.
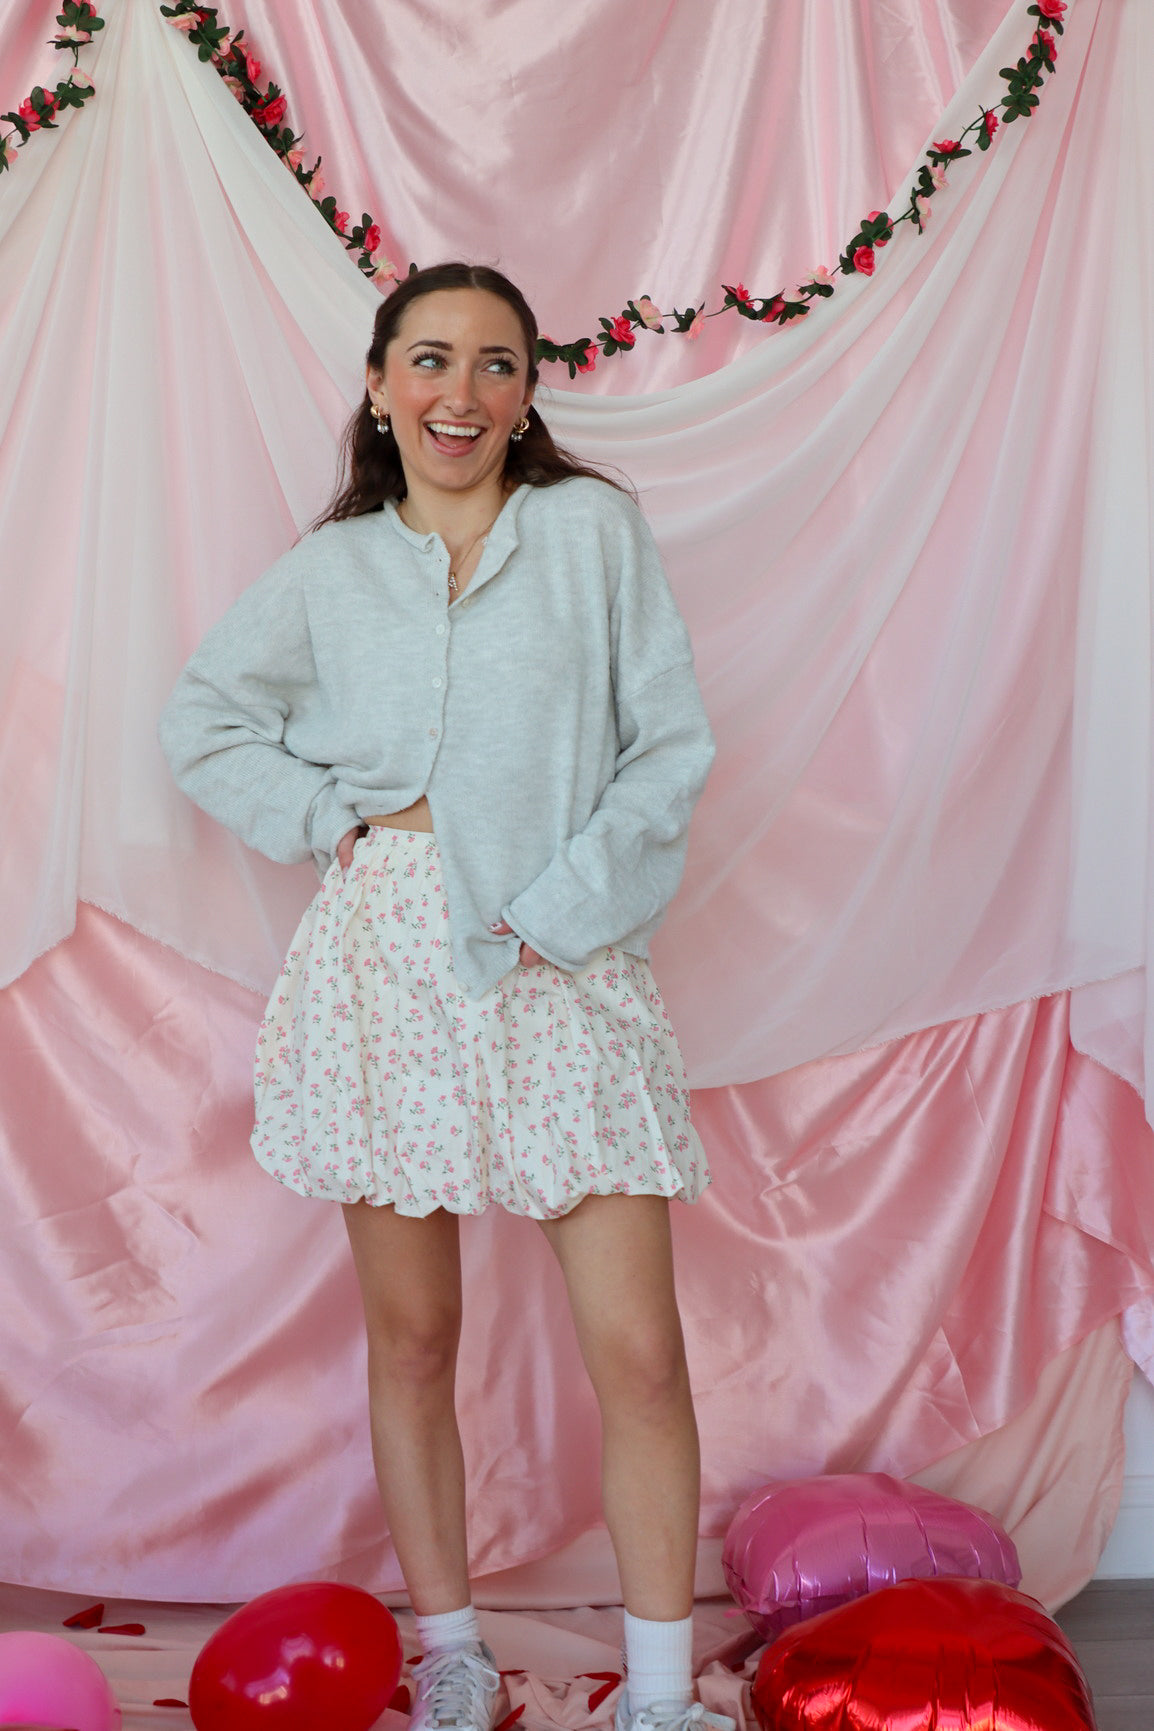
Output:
(923, 210)
(341, 221)
(938, 176)
(385, 271)
(29, 115)
(372, 238)
(697, 326)
(819, 274)
(317, 184)
(650, 317)
(863, 260)
(590, 361)
(1052, 8)
(991, 122)
(271, 113)
(883, 239)
(1047, 43)
(235, 85)
(774, 310)
(186, 22)
(742, 295)
(73, 33)
(622, 332)
(252, 67)
(294, 158)
(945, 146)
(81, 79)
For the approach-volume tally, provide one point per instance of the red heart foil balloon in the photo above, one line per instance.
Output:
(296, 1659)
(796, 1548)
(945, 1655)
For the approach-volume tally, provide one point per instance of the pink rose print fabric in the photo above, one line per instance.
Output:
(376, 1077)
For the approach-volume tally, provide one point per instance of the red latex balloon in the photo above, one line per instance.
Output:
(945, 1655)
(296, 1659)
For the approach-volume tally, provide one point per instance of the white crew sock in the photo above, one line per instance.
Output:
(448, 1630)
(658, 1662)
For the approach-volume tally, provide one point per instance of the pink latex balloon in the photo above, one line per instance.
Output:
(45, 1680)
(797, 1548)
(299, 1658)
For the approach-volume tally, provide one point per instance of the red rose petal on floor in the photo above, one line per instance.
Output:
(85, 1619)
(121, 1629)
(402, 1701)
(169, 1701)
(511, 1719)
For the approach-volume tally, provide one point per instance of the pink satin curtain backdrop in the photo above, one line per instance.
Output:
(901, 1239)
(899, 1244)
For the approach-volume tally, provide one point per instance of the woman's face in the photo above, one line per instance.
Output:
(454, 383)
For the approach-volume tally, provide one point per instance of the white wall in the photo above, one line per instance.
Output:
(1130, 1551)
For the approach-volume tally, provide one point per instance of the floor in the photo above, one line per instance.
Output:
(1111, 1624)
(147, 1652)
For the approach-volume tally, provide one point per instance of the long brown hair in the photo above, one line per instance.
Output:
(371, 470)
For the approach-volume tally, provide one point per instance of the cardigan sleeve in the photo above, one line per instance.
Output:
(222, 729)
(612, 881)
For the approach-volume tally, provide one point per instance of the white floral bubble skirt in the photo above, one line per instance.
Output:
(377, 1078)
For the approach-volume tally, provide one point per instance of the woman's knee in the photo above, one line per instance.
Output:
(414, 1347)
(643, 1367)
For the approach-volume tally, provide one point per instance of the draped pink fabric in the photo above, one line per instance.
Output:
(662, 149)
(898, 1243)
(895, 533)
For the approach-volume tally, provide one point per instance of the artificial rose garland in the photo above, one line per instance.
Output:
(267, 106)
(241, 72)
(78, 23)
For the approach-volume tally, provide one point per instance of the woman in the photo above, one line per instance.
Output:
(470, 697)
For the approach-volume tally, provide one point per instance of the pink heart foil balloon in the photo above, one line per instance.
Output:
(797, 1548)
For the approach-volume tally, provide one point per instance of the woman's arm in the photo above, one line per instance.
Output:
(223, 728)
(615, 878)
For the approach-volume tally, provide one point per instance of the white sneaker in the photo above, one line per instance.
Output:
(456, 1690)
(669, 1716)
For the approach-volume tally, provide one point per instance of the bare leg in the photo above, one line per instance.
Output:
(410, 1277)
(616, 1257)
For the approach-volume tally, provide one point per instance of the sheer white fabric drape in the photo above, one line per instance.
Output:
(909, 536)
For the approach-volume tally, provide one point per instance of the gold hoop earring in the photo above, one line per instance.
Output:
(520, 429)
(380, 416)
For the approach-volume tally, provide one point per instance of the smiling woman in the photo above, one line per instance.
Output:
(475, 334)
(469, 695)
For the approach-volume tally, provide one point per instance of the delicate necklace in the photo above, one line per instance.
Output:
(482, 538)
